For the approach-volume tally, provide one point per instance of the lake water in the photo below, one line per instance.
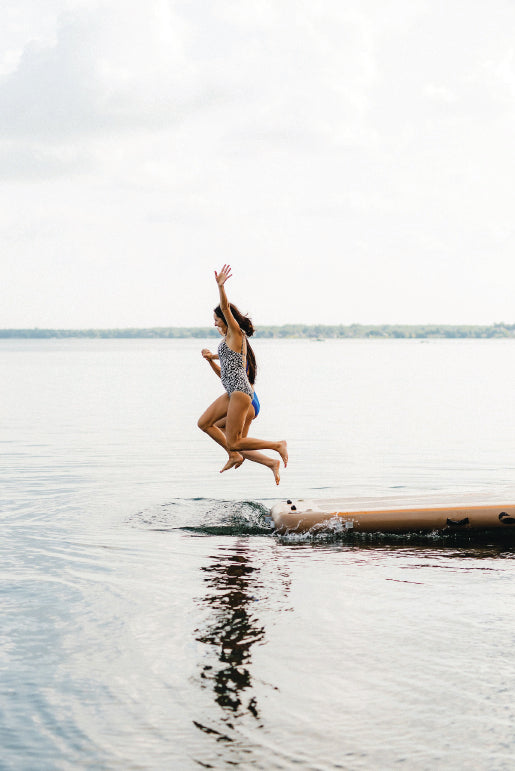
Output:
(149, 618)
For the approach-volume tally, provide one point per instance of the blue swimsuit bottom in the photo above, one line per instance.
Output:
(255, 401)
(255, 404)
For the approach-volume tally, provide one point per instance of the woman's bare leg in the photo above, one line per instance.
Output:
(255, 455)
(259, 457)
(207, 423)
(236, 442)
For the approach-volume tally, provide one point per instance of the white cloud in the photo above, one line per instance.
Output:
(109, 69)
(440, 93)
(142, 142)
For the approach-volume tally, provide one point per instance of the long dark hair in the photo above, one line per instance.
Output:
(246, 325)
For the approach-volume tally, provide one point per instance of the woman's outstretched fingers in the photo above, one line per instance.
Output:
(224, 274)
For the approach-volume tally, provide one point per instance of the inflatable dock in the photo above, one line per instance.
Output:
(373, 516)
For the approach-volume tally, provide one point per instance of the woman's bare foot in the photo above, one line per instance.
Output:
(283, 452)
(235, 460)
(275, 467)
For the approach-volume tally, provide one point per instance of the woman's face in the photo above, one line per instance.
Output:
(219, 324)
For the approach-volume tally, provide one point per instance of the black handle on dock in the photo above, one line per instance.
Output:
(458, 522)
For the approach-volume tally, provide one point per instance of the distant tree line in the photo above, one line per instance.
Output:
(157, 332)
(288, 331)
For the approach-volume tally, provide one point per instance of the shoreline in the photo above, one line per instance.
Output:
(286, 331)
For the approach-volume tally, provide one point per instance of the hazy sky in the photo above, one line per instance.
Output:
(352, 160)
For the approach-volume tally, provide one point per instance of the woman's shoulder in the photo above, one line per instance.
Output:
(234, 337)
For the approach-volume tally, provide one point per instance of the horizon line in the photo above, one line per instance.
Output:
(278, 331)
(352, 325)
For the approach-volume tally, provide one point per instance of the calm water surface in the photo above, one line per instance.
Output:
(149, 618)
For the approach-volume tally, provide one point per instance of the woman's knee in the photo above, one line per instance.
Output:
(203, 423)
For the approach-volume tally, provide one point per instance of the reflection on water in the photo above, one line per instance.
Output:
(238, 588)
(232, 581)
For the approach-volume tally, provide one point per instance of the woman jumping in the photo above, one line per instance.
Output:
(253, 412)
(233, 353)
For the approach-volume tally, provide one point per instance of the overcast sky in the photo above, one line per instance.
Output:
(352, 160)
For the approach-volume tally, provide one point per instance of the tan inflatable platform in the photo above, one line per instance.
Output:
(387, 516)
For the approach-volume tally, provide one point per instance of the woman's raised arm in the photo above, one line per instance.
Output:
(221, 278)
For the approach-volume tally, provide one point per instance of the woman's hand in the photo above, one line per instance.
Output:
(224, 274)
(206, 353)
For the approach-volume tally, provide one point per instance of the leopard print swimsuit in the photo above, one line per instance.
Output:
(233, 375)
